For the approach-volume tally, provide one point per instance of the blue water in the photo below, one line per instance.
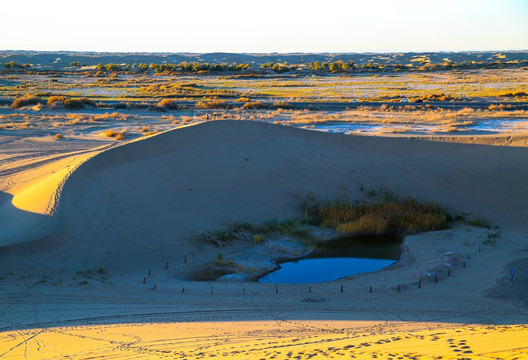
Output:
(323, 269)
(340, 258)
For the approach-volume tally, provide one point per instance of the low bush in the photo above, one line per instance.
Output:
(78, 104)
(499, 107)
(168, 104)
(25, 101)
(282, 105)
(56, 98)
(116, 135)
(213, 104)
(254, 105)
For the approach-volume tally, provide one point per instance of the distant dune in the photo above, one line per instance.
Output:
(60, 59)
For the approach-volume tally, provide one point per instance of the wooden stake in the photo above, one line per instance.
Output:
(144, 280)
(370, 290)
(464, 264)
(183, 290)
(244, 291)
(154, 286)
(185, 260)
(399, 288)
(211, 289)
(276, 289)
(436, 278)
(309, 289)
(419, 283)
(167, 266)
(448, 273)
(150, 272)
(341, 288)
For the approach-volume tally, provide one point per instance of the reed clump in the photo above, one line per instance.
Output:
(380, 216)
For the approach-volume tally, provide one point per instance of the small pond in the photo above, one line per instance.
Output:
(340, 258)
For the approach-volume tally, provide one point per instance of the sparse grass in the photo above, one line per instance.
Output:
(98, 274)
(58, 137)
(256, 233)
(26, 100)
(492, 237)
(259, 238)
(473, 221)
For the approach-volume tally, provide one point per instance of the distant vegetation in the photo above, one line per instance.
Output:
(213, 104)
(338, 66)
(11, 65)
(279, 68)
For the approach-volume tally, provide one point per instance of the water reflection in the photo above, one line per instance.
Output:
(344, 257)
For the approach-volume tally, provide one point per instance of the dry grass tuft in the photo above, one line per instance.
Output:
(116, 135)
(168, 104)
(25, 101)
(57, 98)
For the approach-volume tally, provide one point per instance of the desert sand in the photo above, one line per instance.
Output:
(138, 207)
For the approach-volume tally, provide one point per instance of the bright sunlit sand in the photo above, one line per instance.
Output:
(294, 339)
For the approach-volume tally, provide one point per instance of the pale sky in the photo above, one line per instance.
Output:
(264, 26)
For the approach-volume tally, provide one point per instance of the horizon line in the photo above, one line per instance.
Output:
(266, 53)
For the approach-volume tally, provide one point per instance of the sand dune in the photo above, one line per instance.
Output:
(149, 196)
(136, 207)
(146, 199)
